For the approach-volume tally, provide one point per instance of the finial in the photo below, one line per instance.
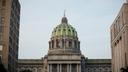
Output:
(64, 12)
(64, 19)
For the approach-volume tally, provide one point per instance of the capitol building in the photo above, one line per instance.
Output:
(64, 51)
(64, 54)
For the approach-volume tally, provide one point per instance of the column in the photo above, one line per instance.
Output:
(120, 61)
(55, 43)
(66, 44)
(73, 44)
(123, 49)
(78, 45)
(58, 68)
(70, 68)
(77, 68)
(50, 67)
(49, 45)
(60, 44)
(47, 68)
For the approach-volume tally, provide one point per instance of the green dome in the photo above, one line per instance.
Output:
(64, 29)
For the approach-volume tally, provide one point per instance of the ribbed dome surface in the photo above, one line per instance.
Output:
(64, 29)
(64, 39)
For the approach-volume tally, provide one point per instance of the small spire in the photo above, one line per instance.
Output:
(64, 12)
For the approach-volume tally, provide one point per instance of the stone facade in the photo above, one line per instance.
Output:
(9, 33)
(98, 65)
(87, 65)
(119, 40)
(33, 65)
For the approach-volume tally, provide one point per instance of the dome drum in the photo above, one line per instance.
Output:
(64, 42)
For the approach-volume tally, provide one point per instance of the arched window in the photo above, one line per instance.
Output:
(62, 43)
(39, 70)
(34, 69)
(78, 44)
(75, 44)
(52, 43)
(70, 44)
(57, 43)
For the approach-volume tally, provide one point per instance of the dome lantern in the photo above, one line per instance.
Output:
(64, 19)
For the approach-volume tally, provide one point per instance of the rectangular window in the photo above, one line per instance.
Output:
(1, 47)
(0, 38)
(1, 29)
(2, 19)
(3, 2)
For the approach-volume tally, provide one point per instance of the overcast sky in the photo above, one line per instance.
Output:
(91, 19)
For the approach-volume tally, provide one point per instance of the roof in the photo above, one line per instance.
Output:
(95, 61)
(30, 61)
(64, 29)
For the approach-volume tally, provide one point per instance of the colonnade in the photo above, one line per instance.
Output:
(62, 43)
(64, 68)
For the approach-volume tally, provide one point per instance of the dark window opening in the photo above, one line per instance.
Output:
(57, 43)
(64, 29)
(54, 68)
(64, 68)
(70, 44)
(74, 68)
(3, 2)
(52, 43)
(62, 42)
